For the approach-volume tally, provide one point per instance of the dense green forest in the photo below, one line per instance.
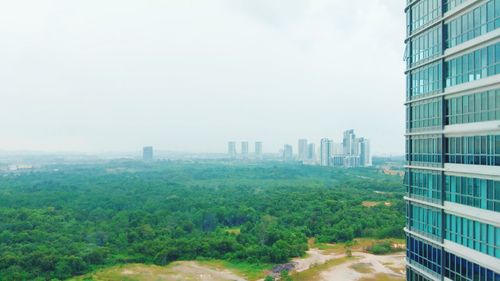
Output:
(67, 220)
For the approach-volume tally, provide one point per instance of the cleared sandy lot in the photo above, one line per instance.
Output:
(322, 265)
(368, 267)
(319, 265)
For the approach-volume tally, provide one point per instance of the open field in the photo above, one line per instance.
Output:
(250, 271)
(322, 262)
(185, 271)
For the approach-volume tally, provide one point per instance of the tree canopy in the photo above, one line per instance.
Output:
(67, 220)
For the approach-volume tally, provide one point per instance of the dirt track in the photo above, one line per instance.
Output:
(314, 257)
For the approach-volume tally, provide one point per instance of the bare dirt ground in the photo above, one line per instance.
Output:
(367, 267)
(197, 272)
(321, 265)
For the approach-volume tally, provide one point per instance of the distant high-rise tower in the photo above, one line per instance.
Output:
(325, 152)
(287, 152)
(311, 152)
(356, 149)
(302, 154)
(365, 159)
(258, 150)
(244, 149)
(231, 149)
(147, 153)
(348, 143)
(453, 140)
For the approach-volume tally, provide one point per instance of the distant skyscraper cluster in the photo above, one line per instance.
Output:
(245, 151)
(351, 152)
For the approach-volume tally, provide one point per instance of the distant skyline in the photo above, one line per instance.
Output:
(188, 76)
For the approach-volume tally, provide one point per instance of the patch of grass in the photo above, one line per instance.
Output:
(362, 267)
(328, 248)
(314, 272)
(130, 272)
(357, 245)
(386, 246)
(251, 271)
(362, 244)
(234, 230)
(174, 271)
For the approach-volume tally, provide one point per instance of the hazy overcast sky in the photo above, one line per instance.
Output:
(186, 75)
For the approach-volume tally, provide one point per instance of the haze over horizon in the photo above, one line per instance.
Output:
(93, 76)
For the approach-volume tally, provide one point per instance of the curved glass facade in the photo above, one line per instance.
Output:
(453, 139)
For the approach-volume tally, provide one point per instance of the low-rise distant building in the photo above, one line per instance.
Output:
(351, 161)
(337, 160)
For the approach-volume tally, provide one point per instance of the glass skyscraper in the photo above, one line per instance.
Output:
(453, 140)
